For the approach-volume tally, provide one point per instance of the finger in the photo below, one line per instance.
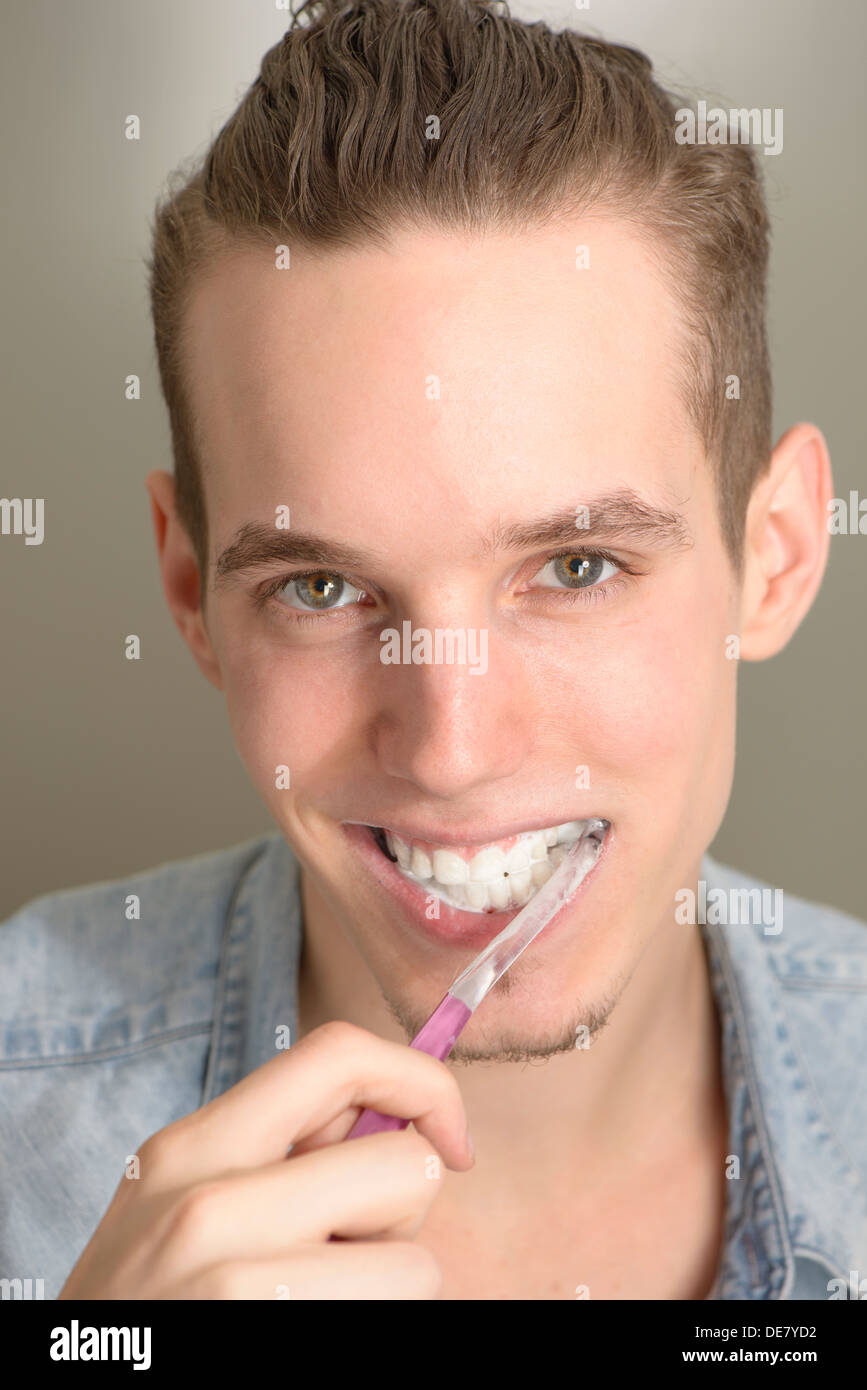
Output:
(360, 1271)
(382, 1185)
(333, 1133)
(336, 1068)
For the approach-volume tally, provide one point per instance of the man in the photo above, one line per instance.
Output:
(474, 514)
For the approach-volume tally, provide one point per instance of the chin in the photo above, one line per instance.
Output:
(521, 1018)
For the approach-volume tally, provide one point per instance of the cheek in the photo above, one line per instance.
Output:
(670, 693)
(654, 696)
(293, 709)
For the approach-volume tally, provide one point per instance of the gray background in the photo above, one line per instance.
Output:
(110, 766)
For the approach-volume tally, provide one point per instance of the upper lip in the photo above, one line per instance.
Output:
(472, 835)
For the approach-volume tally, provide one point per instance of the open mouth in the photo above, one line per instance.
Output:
(499, 877)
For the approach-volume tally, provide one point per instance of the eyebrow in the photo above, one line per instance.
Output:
(615, 516)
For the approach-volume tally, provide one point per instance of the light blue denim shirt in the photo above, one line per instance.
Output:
(111, 1028)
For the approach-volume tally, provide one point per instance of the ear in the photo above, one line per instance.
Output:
(786, 542)
(180, 574)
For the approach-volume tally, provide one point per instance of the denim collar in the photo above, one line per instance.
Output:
(796, 1184)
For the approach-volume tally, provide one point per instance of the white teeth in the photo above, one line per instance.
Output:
(521, 886)
(487, 864)
(477, 896)
(537, 847)
(518, 858)
(570, 831)
(499, 893)
(494, 879)
(420, 864)
(449, 868)
(541, 873)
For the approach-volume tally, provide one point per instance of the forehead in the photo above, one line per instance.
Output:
(443, 366)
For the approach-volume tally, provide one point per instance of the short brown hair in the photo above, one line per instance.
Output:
(328, 149)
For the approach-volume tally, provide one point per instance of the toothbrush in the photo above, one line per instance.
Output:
(456, 1008)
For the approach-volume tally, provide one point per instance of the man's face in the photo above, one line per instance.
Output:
(419, 411)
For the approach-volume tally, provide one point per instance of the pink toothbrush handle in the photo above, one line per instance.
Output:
(437, 1038)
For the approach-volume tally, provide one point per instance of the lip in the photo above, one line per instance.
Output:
(453, 928)
(469, 837)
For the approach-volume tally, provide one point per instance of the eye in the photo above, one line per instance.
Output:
(578, 569)
(319, 589)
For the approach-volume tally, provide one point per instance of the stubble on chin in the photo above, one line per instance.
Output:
(585, 1024)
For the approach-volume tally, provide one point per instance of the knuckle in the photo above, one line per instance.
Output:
(163, 1154)
(158, 1154)
(195, 1212)
(339, 1034)
(155, 1146)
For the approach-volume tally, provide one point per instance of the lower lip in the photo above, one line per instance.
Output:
(453, 927)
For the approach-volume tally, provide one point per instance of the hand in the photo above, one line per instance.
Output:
(220, 1212)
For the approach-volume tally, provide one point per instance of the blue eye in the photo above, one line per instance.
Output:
(319, 589)
(578, 570)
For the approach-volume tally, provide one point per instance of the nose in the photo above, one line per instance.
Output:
(449, 731)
